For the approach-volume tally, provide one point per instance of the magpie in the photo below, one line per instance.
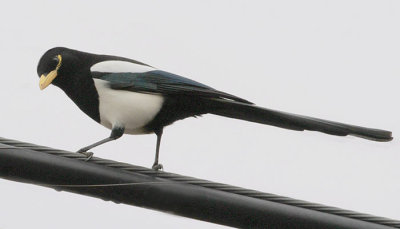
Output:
(131, 97)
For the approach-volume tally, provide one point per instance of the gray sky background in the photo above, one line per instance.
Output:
(337, 60)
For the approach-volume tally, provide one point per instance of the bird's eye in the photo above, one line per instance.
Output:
(54, 62)
(57, 61)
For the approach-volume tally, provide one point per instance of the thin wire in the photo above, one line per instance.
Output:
(108, 185)
(206, 184)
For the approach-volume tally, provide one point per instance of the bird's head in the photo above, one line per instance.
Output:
(57, 65)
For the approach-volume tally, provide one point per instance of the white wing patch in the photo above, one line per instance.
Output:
(131, 110)
(119, 66)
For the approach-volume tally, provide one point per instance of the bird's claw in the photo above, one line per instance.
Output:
(157, 167)
(88, 155)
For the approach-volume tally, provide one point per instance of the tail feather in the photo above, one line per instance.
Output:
(261, 115)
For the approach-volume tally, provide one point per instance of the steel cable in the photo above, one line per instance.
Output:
(206, 183)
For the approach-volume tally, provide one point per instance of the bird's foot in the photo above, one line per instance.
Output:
(157, 167)
(88, 155)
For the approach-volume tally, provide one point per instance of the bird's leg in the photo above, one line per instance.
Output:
(116, 133)
(157, 166)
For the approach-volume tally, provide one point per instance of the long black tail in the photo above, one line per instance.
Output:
(261, 115)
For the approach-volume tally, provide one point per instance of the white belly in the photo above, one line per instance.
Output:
(131, 110)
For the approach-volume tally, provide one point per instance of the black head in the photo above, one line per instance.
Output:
(60, 66)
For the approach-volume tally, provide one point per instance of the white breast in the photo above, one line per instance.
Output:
(131, 110)
(119, 66)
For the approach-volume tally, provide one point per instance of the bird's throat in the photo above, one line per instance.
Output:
(84, 96)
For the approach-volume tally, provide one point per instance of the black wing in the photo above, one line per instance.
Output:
(162, 82)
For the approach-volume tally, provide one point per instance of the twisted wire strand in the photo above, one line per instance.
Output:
(206, 184)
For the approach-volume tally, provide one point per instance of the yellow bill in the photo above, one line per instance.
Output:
(45, 80)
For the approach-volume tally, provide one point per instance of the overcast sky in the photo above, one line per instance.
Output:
(337, 60)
